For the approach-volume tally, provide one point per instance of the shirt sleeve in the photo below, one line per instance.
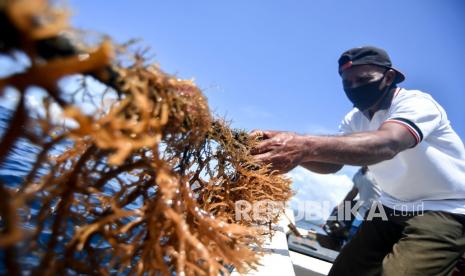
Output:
(420, 115)
(356, 179)
(345, 127)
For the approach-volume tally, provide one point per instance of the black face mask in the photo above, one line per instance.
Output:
(365, 96)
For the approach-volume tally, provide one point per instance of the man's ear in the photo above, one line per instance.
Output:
(390, 77)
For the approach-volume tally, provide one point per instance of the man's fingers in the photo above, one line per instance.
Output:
(259, 150)
(263, 134)
(266, 159)
(263, 158)
(267, 134)
(262, 147)
(256, 133)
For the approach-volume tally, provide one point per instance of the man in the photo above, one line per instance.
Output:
(406, 140)
(365, 186)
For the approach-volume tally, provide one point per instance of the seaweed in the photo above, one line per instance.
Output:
(147, 185)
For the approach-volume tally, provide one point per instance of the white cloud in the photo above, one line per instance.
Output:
(313, 187)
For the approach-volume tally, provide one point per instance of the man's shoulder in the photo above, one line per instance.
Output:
(352, 114)
(412, 95)
(415, 99)
(349, 122)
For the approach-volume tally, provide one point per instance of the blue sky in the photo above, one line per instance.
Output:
(273, 64)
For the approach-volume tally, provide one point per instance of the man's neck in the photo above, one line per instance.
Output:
(384, 103)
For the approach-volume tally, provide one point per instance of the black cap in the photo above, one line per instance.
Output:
(367, 55)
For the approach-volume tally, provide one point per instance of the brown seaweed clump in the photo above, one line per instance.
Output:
(145, 186)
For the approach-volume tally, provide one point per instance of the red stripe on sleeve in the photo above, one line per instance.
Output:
(410, 129)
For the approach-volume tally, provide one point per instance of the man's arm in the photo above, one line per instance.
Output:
(351, 194)
(320, 167)
(349, 197)
(287, 150)
(360, 149)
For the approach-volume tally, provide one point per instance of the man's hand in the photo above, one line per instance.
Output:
(286, 150)
(283, 150)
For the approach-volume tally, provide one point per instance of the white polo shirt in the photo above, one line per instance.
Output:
(368, 190)
(428, 176)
